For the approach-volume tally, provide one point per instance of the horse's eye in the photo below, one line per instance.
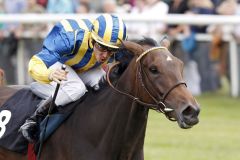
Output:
(153, 70)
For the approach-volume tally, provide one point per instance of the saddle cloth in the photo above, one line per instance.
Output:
(16, 110)
(13, 114)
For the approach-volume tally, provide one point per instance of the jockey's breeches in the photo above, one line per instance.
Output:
(72, 89)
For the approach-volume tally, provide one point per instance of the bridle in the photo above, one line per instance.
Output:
(159, 105)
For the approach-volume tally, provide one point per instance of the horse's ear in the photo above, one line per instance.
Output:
(133, 47)
(165, 43)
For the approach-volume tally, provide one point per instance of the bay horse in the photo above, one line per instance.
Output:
(110, 124)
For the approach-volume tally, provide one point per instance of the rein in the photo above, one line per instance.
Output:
(159, 105)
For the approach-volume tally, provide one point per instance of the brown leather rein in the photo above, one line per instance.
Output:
(159, 105)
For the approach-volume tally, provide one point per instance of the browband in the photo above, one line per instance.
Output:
(149, 50)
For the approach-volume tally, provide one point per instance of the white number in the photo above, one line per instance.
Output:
(6, 115)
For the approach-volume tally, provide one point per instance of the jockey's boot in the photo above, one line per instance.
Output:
(30, 129)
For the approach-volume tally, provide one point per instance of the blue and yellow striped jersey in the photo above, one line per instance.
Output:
(68, 42)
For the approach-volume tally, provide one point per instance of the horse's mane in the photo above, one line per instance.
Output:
(147, 41)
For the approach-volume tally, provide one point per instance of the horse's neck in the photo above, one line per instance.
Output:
(126, 128)
(136, 117)
(135, 132)
(127, 82)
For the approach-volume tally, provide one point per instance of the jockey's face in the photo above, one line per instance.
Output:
(102, 53)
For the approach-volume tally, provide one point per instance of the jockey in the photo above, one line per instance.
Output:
(84, 47)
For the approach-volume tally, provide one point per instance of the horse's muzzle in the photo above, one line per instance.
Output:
(189, 116)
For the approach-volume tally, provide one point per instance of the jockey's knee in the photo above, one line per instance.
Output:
(77, 92)
(70, 93)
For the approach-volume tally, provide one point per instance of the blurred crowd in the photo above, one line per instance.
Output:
(206, 61)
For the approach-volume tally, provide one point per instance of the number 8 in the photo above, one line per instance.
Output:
(7, 114)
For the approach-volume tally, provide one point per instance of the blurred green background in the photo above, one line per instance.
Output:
(216, 137)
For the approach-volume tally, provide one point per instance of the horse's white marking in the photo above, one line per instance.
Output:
(169, 58)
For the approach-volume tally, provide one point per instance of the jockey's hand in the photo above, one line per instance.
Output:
(58, 75)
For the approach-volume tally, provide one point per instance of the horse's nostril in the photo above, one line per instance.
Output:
(190, 115)
(190, 112)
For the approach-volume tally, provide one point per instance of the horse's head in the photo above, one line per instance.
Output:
(160, 83)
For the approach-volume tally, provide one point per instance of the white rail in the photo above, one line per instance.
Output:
(134, 18)
(169, 19)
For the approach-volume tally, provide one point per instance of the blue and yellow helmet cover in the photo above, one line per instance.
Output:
(109, 30)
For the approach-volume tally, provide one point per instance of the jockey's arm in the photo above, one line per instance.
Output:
(57, 44)
(38, 70)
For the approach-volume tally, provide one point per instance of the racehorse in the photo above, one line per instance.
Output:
(110, 124)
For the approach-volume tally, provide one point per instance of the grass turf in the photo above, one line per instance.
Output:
(216, 137)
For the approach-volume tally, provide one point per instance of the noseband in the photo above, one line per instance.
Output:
(159, 105)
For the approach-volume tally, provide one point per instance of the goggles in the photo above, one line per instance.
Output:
(103, 48)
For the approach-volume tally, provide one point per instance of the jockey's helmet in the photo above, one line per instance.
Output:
(109, 30)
